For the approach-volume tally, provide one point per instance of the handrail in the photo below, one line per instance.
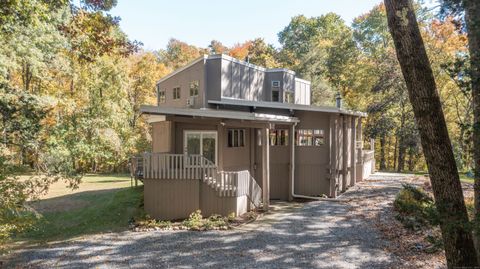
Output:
(368, 155)
(183, 166)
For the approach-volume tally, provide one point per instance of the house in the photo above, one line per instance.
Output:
(228, 136)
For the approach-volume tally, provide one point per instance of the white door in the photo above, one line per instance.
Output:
(201, 143)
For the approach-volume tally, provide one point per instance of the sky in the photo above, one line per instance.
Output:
(154, 22)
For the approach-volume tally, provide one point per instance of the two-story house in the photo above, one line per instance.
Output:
(228, 136)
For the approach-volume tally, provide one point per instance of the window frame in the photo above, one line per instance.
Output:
(309, 137)
(290, 100)
(162, 97)
(194, 88)
(276, 90)
(279, 137)
(176, 93)
(236, 138)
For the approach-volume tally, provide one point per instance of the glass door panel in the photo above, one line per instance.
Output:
(193, 143)
(209, 150)
(201, 143)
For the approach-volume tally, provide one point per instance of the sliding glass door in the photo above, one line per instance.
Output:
(203, 143)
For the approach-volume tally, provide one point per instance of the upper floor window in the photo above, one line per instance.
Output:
(236, 138)
(289, 97)
(279, 137)
(194, 86)
(275, 95)
(309, 137)
(161, 96)
(176, 93)
(275, 91)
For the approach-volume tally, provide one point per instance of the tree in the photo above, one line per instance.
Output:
(471, 11)
(216, 47)
(263, 54)
(320, 49)
(449, 200)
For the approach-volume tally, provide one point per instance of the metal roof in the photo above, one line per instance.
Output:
(287, 106)
(216, 113)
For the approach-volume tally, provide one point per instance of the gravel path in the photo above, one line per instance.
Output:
(319, 234)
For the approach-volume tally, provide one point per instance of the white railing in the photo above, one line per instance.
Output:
(173, 166)
(368, 155)
(182, 166)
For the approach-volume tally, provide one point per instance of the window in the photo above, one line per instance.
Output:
(289, 97)
(161, 96)
(275, 96)
(236, 138)
(194, 86)
(176, 93)
(275, 91)
(201, 143)
(309, 137)
(278, 137)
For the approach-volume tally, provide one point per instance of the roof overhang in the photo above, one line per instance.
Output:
(286, 106)
(156, 111)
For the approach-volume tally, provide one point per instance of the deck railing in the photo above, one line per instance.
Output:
(368, 155)
(182, 166)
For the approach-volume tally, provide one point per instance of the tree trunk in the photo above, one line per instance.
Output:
(382, 154)
(423, 95)
(401, 153)
(395, 154)
(389, 146)
(402, 149)
(410, 160)
(472, 18)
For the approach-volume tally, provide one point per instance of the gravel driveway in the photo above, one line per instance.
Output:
(321, 234)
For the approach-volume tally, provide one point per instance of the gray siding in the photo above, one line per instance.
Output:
(214, 79)
(311, 162)
(241, 81)
(183, 80)
(302, 92)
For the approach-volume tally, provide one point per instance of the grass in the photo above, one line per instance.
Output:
(463, 176)
(101, 204)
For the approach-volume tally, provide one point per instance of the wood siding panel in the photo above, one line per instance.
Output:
(311, 163)
(162, 134)
(170, 199)
(183, 80)
(279, 172)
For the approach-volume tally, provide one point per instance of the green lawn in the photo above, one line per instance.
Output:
(101, 204)
(465, 178)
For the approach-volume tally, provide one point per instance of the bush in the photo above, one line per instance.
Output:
(194, 221)
(415, 207)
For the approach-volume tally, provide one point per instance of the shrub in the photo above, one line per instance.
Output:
(415, 207)
(194, 221)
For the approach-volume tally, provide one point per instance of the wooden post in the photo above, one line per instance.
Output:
(372, 147)
(332, 145)
(360, 150)
(344, 153)
(266, 168)
(220, 143)
(292, 162)
(360, 138)
(353, 154)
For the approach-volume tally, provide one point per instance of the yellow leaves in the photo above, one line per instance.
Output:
(240, 51)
